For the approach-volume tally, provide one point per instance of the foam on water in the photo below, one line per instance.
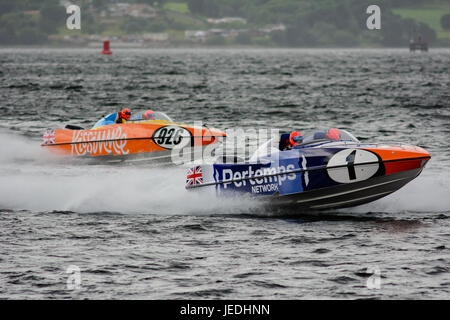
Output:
(17, 148)
(427, 193)
(34, 180)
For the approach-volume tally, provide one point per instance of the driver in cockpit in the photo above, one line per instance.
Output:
(294, 139)
(117, 117)
(123, 116)
(333, 134)
(149, 115)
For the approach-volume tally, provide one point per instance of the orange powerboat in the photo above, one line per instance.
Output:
(137, 139)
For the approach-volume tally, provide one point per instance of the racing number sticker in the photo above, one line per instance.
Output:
(353, 165)
(170, 137)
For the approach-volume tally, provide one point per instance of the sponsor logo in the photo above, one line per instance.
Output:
(97, 141)
(271, 178)
(265, 188)
(171, 137)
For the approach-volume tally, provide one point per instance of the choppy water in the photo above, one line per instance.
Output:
(134, 232)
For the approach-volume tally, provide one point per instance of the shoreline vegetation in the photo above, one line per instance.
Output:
(224, 23)
(206, 48)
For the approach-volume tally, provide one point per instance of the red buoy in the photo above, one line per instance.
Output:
(106, 48)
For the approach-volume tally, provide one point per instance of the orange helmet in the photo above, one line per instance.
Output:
(295, 137)
(149, 115)
(333, 134)
(126, 114)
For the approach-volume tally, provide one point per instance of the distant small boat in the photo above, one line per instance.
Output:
(418, 44)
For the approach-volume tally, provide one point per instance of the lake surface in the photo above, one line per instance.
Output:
(135, 232)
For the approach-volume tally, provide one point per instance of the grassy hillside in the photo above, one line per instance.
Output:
(430, 14)
(180, 7)
(292, 23)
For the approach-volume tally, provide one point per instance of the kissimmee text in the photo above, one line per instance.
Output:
(226, 310)
(268, 175)
(94, 142)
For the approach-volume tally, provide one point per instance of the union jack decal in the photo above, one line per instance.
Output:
(49, 137)
(194, 176)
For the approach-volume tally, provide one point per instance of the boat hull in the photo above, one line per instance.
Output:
(154, 140)
(348, 195)
(317, 178)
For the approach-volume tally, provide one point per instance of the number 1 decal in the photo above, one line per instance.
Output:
(352, 165)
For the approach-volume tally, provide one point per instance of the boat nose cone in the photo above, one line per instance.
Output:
(422, 151)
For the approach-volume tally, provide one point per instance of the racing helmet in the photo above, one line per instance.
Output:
(295, 138)
(126, 114)
(149, 115)
(333, 134)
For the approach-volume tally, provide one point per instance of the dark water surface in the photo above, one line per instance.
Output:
(134, 232)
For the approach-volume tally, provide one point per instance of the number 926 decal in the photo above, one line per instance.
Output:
(171, 137)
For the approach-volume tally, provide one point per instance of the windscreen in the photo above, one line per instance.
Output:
(158, 116)
(332, 134)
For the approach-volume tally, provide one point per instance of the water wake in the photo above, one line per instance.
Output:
(31, 179)
(427, 193)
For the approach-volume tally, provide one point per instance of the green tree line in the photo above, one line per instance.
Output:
(308, 22)
(321, 22)
(20, 25)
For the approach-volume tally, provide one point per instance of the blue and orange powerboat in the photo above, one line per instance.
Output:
(323, 171)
